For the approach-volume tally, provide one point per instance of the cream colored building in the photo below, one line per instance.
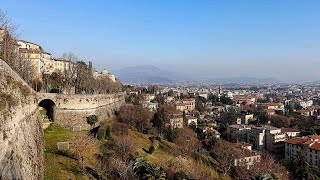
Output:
(271, 105)
(190, 104)
(176, 121)
(181, 107)
(263, 137)
(105, 73)
(57, 65)
(312, 143)
(34, 53)
(247, 157)
(246, 118)
(151, 106)
(28, 45)
(34, 56)
(186, 104)
(192, 119)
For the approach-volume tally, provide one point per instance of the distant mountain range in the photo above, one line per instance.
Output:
(246, 80)
(148, 74)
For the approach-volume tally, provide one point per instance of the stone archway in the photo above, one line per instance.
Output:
(49, 106)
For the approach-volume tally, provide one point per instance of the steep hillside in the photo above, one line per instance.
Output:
(63, 164)
(21, 136)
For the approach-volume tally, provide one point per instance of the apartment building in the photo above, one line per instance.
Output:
(238, 132)
(312, 145)
(262, 137)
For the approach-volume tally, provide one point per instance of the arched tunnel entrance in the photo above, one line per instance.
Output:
(48, 105)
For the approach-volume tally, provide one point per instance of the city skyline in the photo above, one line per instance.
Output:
(196, 39)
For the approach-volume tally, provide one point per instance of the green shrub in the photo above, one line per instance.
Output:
(108, 131)
(54, 127)
(151, 149)
(101, 133)
(43, 111)
(92, 120)
(108, 153)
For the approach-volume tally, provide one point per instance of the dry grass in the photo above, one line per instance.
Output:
(59, 166)
(166, 155)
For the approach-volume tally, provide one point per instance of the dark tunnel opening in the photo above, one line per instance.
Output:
(49, 106)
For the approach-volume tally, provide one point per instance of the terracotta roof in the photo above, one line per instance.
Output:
(270, 104)
(305, 140)
(302, 111)
(270, 111)
(315, 146)
(296, 140)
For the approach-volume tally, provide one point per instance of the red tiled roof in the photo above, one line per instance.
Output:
(270, 111)
(297, 140)
(315, 146)
(305, 139)
(270, 104)
(302, 111)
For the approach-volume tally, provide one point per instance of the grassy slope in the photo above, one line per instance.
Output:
(168, 152)
(59, 166)
(62, 167)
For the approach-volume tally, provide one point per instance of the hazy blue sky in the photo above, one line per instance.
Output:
(198, 38)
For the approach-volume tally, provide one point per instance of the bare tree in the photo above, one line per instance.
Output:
(9, 49)
(125, 146)
(70, 70)
(188, 141)
(225, 154)
(55, 80)
(83, 146)
(136, 116)
(123, 170)
(270, 166)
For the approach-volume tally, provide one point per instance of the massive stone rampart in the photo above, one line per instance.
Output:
(21, 135)
(71, 110)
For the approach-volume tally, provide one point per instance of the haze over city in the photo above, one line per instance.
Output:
(163, 90)
(193, 39)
